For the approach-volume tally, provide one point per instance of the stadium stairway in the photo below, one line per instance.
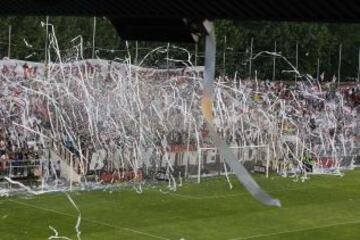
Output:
(69, 167)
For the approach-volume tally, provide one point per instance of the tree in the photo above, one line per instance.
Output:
(316, 41)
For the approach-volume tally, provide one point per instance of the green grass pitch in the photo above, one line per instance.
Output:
(324, 207)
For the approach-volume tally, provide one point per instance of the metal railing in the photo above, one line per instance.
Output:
(24, 168)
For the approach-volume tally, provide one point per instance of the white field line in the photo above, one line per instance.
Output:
(232, 195)
(92, 221)
(296, 230)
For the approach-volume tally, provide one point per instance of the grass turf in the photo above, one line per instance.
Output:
(324, 207)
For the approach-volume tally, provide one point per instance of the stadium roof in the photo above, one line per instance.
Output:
(174, 20)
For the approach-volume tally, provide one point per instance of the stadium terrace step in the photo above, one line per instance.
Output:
(68, 163)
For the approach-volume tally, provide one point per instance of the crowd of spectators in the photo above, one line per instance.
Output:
(19, 159)
(323, 108)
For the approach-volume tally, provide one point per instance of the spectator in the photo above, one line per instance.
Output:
(58, 169)
(4, 163)
(18, 159)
